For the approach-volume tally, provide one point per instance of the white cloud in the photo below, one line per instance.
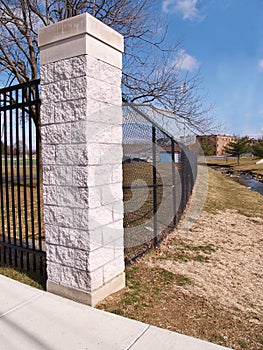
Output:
(187, 8)
(187, 62)
(260, 64)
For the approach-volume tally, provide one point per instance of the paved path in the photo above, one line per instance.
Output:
(33, 319)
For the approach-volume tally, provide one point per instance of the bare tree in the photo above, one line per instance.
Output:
(151, 72)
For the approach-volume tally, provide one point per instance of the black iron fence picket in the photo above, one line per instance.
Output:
(21, 235)
(158, 178)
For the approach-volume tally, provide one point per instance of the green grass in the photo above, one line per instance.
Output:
(186, 252)
(159, 297)
(183, 281)
(223, 193)
(30, 278)
(243, 344)
(246, 164)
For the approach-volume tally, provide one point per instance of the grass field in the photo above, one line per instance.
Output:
(246, 164)
(30, 278)
(158, 295)
(139, 203)
(21, 170)
(161, 291)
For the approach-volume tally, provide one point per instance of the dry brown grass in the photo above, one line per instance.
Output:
(21, 170)
(206, 282)
(18, 218)
(246, 164)
(223, 193)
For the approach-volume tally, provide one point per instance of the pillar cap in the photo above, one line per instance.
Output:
(80, 35)
(79, 25)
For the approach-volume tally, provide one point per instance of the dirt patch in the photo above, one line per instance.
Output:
(205, 279)
(222, 254)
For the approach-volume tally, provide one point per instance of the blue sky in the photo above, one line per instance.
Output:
(224, 40)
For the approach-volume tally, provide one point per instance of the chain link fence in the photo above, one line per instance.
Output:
(158, 178)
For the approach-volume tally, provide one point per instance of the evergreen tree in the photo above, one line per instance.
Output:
(257, 149)
(208, 149)
(238, 147)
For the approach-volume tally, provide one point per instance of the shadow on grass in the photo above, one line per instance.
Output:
(30, 278)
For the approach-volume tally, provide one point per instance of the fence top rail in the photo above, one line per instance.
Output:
(20, 105)
(149, 119)
(19, 86)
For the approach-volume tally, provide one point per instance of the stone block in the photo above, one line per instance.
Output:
(99, 258)
(99, 175)
(75, 278)
(79, 132)
(47, 73)
(96, 279)
(111, 154)
(112, 135)
(112, 233)
(95, 239)
(48, 154)
(111, 193)
(59, 91)
(118, 247)
(117, 210)
(80, 176)
(51, 253)
(50, 194)
(117, 175)
(47, 113)
(81, 219)
(70, 110)
(70, 196)
(52, 234)
(110, 74)
(115, 268)
(94, 197)
(73, 238)
(93, 66)
(65, 256)
(56, 134)
(54, 271)
(70, 68)
(73, 154)
(80, 259)
(49, 215)
(58, 216)
(49, 177)
(78, 88)
(63, 175)
(99, 217)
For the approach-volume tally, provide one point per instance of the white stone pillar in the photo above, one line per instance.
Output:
(81, 62)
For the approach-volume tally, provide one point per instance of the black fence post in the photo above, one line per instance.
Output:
(174, 184)
(154, 186)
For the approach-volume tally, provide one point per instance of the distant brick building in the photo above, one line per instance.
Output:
(217, 141)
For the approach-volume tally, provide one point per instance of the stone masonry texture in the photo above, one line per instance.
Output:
(82, 174)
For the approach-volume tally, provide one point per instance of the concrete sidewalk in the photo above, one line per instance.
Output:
(33, 319)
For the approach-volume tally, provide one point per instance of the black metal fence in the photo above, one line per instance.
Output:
(21, 234)
(158, 178)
